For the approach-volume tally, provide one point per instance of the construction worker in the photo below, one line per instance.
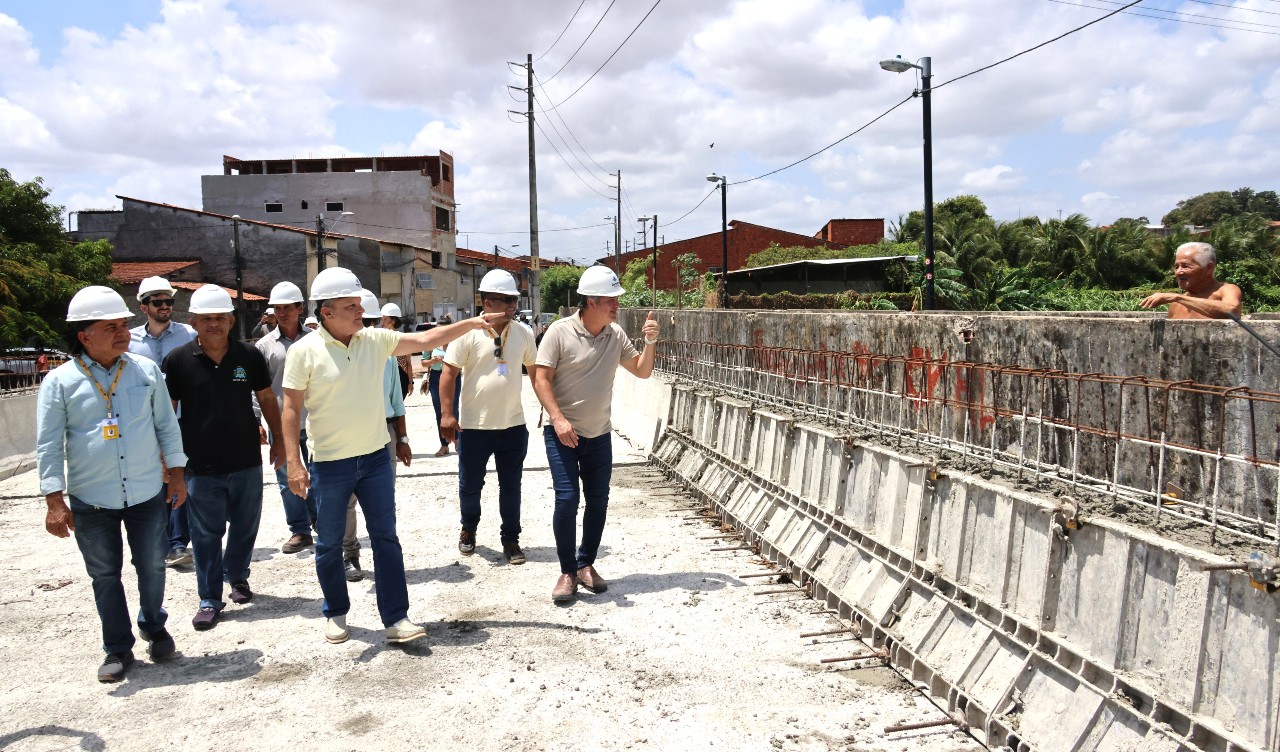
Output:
(265, 324)
(576, 365)
(391, 318)
(158, 336)
(336, 374)
(106, 437)
(492, 420)
(214, 379)
(299, 512)
(398, 449)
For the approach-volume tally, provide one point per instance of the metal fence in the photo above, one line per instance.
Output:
(1195, 452)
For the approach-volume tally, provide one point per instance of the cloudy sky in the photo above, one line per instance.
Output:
(141, 97)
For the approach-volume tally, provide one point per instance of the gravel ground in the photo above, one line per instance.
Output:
(678, 654)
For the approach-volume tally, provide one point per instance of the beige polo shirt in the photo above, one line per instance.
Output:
(490, 401)
(343, 390)
(585, 369)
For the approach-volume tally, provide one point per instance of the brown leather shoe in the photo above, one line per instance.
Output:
(566, 588)
(590, 579)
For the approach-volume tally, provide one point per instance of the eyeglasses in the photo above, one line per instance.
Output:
(164, 303)
(504, 299)
(497, 347)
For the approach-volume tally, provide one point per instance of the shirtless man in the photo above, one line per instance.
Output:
(1203, 297)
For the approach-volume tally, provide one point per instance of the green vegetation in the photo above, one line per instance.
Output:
(776, 254)
(40, 269)
(560, 287)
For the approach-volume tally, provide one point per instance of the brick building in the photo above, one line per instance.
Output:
(745, 239)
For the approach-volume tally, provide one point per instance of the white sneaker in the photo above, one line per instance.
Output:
(405, 631)
(335, 629)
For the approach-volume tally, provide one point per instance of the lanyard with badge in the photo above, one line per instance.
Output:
(111, 425)
(500, 344)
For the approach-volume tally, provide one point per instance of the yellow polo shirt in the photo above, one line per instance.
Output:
(491, 401)
(343, 391)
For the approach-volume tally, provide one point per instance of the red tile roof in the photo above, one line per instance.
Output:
(133, 272)
(197, 285)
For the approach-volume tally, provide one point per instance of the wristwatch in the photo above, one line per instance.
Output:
(403, 439)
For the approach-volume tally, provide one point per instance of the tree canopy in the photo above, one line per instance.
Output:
(40, 269)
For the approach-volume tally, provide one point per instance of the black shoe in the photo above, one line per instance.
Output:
(240, 593)
(467, 542)
(353, 572)
(113, 668)
(513, 553)
(160, 644)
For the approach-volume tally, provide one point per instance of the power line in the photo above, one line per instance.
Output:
(566, 162)
(566, 126)
(695, 208)
(568, 148)
(562, 31)
(584, 41)
(1166, 18)
(615, 52)
(1236, 7)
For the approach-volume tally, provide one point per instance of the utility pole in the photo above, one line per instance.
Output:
(239, 263)
(535, 264)
(495, 256)
(320, 242)
(617, 228)
(655, 260)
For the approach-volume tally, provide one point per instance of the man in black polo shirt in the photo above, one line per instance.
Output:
(214, 379)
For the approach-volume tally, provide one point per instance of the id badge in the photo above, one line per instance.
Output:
(110, 429)
(502, 369)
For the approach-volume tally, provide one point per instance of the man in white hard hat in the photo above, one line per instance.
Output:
(299, 511)
(214, 379)
(155, 338)
(335, 374)
(106, 437)
(265, 324)
(391, 319)
(398, 449)
(577, 362)
(492, 420)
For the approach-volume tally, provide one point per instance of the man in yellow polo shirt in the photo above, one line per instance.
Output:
(337, 376)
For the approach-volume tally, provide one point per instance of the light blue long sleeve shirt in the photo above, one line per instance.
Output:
(73, 456)
(393, 398)
(174, 336)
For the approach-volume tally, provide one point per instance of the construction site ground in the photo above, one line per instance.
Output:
(680, 653)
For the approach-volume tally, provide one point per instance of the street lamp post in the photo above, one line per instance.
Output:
(724, 238)
(898, 65)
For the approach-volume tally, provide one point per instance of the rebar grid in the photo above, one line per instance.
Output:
(1190, 451)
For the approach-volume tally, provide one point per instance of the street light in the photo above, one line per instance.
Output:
(654, 270)
(724, 238)
(898, 65)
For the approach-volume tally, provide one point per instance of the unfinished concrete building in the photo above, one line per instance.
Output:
(1062, 529)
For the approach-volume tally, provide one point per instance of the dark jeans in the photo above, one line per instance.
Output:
(591, 464)
(299, 513)
(508, 447)
(178, 528)
(98, 536)
(433, 385)
(369, 477)
(227, 504)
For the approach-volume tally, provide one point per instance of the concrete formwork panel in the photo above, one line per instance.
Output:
(1239, 682)
(769, 438)
(1058, 709)
(733, 429)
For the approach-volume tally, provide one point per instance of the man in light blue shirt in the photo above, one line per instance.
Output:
(158, 336)
(106, 437)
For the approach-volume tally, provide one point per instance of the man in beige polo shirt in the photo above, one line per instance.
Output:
(577, 361)
(337, 375)
(492, 417)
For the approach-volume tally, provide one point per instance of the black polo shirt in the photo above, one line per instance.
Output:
(219, 429)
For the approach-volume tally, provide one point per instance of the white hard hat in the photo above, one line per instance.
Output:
(270, 311)
(391, 309)
(334, 282)
(311, 321)
(154, 284)
(97, 303)
(211, 299)
(285, 292)
(499, 281)
(369, 302)
(599, 281)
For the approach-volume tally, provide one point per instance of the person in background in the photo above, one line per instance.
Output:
(311, 323)
(107, 462)
(434, 362)
(1202, 296)
(158, 336)
(265, 324)
(391, 319)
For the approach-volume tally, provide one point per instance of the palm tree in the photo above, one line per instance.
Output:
(1011, 290)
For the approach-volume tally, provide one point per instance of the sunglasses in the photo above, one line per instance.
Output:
(497, 347)
(507, 299)
(165, 303)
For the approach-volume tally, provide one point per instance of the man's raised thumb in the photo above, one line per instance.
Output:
(650, 318)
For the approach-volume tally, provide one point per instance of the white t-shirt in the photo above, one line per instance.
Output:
(491, 401)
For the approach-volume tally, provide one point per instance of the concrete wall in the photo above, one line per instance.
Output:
(17, 431)
(1044, 637)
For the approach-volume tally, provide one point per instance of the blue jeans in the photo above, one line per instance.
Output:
(369, 477)
(98, 536)
(508, 447)
(591, 464)
(433, 386)
(299, 513)
(229, 504)
(178, 527)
